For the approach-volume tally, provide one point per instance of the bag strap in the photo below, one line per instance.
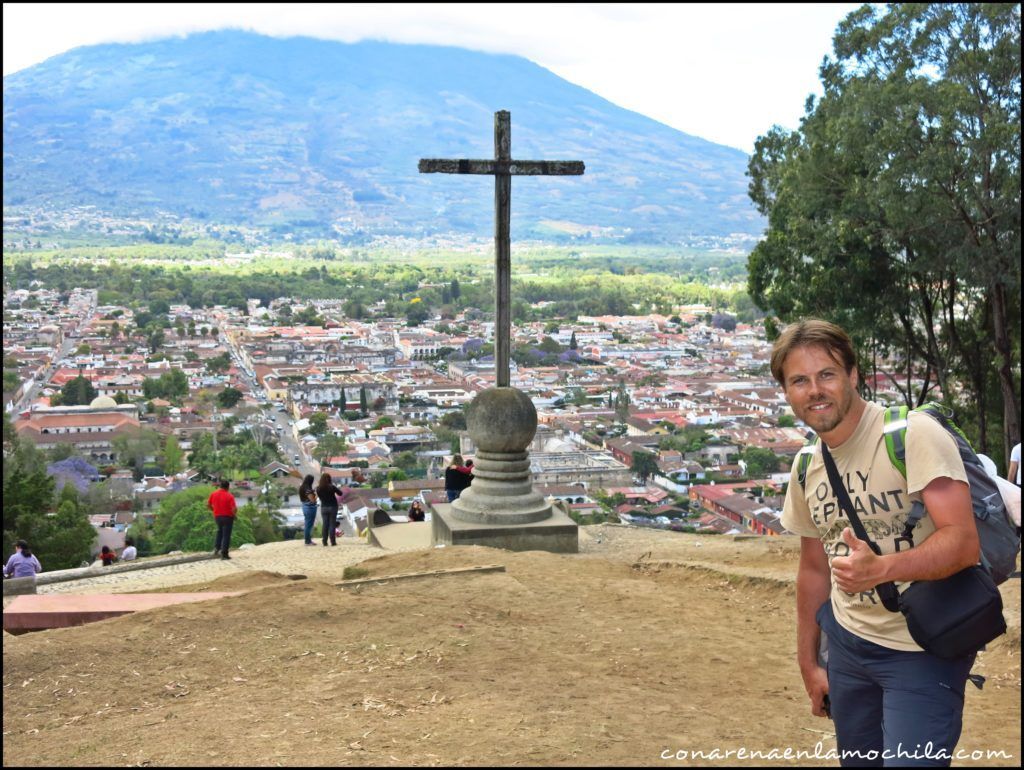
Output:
(887, 592)
(894, 428)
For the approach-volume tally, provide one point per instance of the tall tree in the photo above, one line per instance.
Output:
(895, 210)
(77, 392)
(172, 459)
(644, 465)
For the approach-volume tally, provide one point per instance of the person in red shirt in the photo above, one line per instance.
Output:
(222, 503)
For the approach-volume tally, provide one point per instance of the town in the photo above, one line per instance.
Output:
(668, 421)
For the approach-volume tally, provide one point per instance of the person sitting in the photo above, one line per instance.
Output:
(129, 552)
(416, 512)
(107, 556)
(22, 562)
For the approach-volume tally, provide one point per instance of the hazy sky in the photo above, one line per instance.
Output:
(723, 72)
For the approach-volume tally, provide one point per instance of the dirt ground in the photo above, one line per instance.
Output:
(644, 645)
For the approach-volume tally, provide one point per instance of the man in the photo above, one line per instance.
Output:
(129, 552)
(222, 503)
(1013, 474)
(889, 698)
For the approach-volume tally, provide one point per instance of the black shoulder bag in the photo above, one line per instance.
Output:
(951, 617)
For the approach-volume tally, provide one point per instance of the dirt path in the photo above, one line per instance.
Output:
(646, 642)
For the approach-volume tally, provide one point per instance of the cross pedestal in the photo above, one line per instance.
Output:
(501, 508)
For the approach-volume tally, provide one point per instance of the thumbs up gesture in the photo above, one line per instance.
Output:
(861, 570)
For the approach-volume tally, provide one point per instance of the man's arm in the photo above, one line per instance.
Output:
(813, 586)
(1011, 474)
(952, 547)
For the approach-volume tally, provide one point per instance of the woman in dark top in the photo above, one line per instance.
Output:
(308, 497)
(416, 512)
(329, 494)
(457, 477)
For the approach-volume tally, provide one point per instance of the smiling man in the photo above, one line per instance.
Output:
(889, 698)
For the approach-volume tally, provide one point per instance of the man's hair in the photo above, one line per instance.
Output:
(224, 484)
(812, 332)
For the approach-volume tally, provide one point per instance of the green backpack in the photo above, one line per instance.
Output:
(1000, 539)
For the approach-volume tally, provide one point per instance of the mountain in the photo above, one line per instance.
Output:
(234, 127)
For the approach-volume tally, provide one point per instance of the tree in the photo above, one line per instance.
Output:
(383, 422)
(622, 402)
(572, 342)
(644, 465)
(330, 446)
(172, 458)
(77, 392)
(362, 400)
(135, 449)
(455, 420)
(724, 321)
(786, 421)
(904, 181)
(760, 462)
(228, 397)
(265, 516)
(218, 364)
(74, 471)
(404, 460)
(318, 423)
(155, 337)
(416, 312)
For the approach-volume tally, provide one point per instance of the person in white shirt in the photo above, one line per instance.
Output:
(1014, 472)
(129, 551)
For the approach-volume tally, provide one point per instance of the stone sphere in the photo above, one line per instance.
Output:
(501, 420)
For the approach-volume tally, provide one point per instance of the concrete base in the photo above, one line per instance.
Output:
(34, 613)
(401, 535)
(557, 534)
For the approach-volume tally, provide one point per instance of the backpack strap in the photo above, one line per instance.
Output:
(894, 429)
(804, 459)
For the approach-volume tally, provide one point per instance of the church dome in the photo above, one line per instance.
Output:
(103, 402)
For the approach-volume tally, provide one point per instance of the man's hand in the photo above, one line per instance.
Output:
(861, 571)
(816, 684)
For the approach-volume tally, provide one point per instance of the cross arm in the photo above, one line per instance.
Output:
(510, 167)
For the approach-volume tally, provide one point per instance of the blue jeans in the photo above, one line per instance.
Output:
(453, 494)
(887, 704)
(224, 526)
(309, 513)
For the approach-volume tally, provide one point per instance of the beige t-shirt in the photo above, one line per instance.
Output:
(882, 500)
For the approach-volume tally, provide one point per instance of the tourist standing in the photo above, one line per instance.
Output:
(329, 494)
(885, 691)
(457, 477)
(23, 562)
(308, 497)
(223, 505)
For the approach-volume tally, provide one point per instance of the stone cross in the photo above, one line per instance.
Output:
(503, 168)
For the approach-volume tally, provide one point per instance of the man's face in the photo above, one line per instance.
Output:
(819, 389)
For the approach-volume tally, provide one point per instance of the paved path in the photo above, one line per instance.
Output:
(289, 557)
